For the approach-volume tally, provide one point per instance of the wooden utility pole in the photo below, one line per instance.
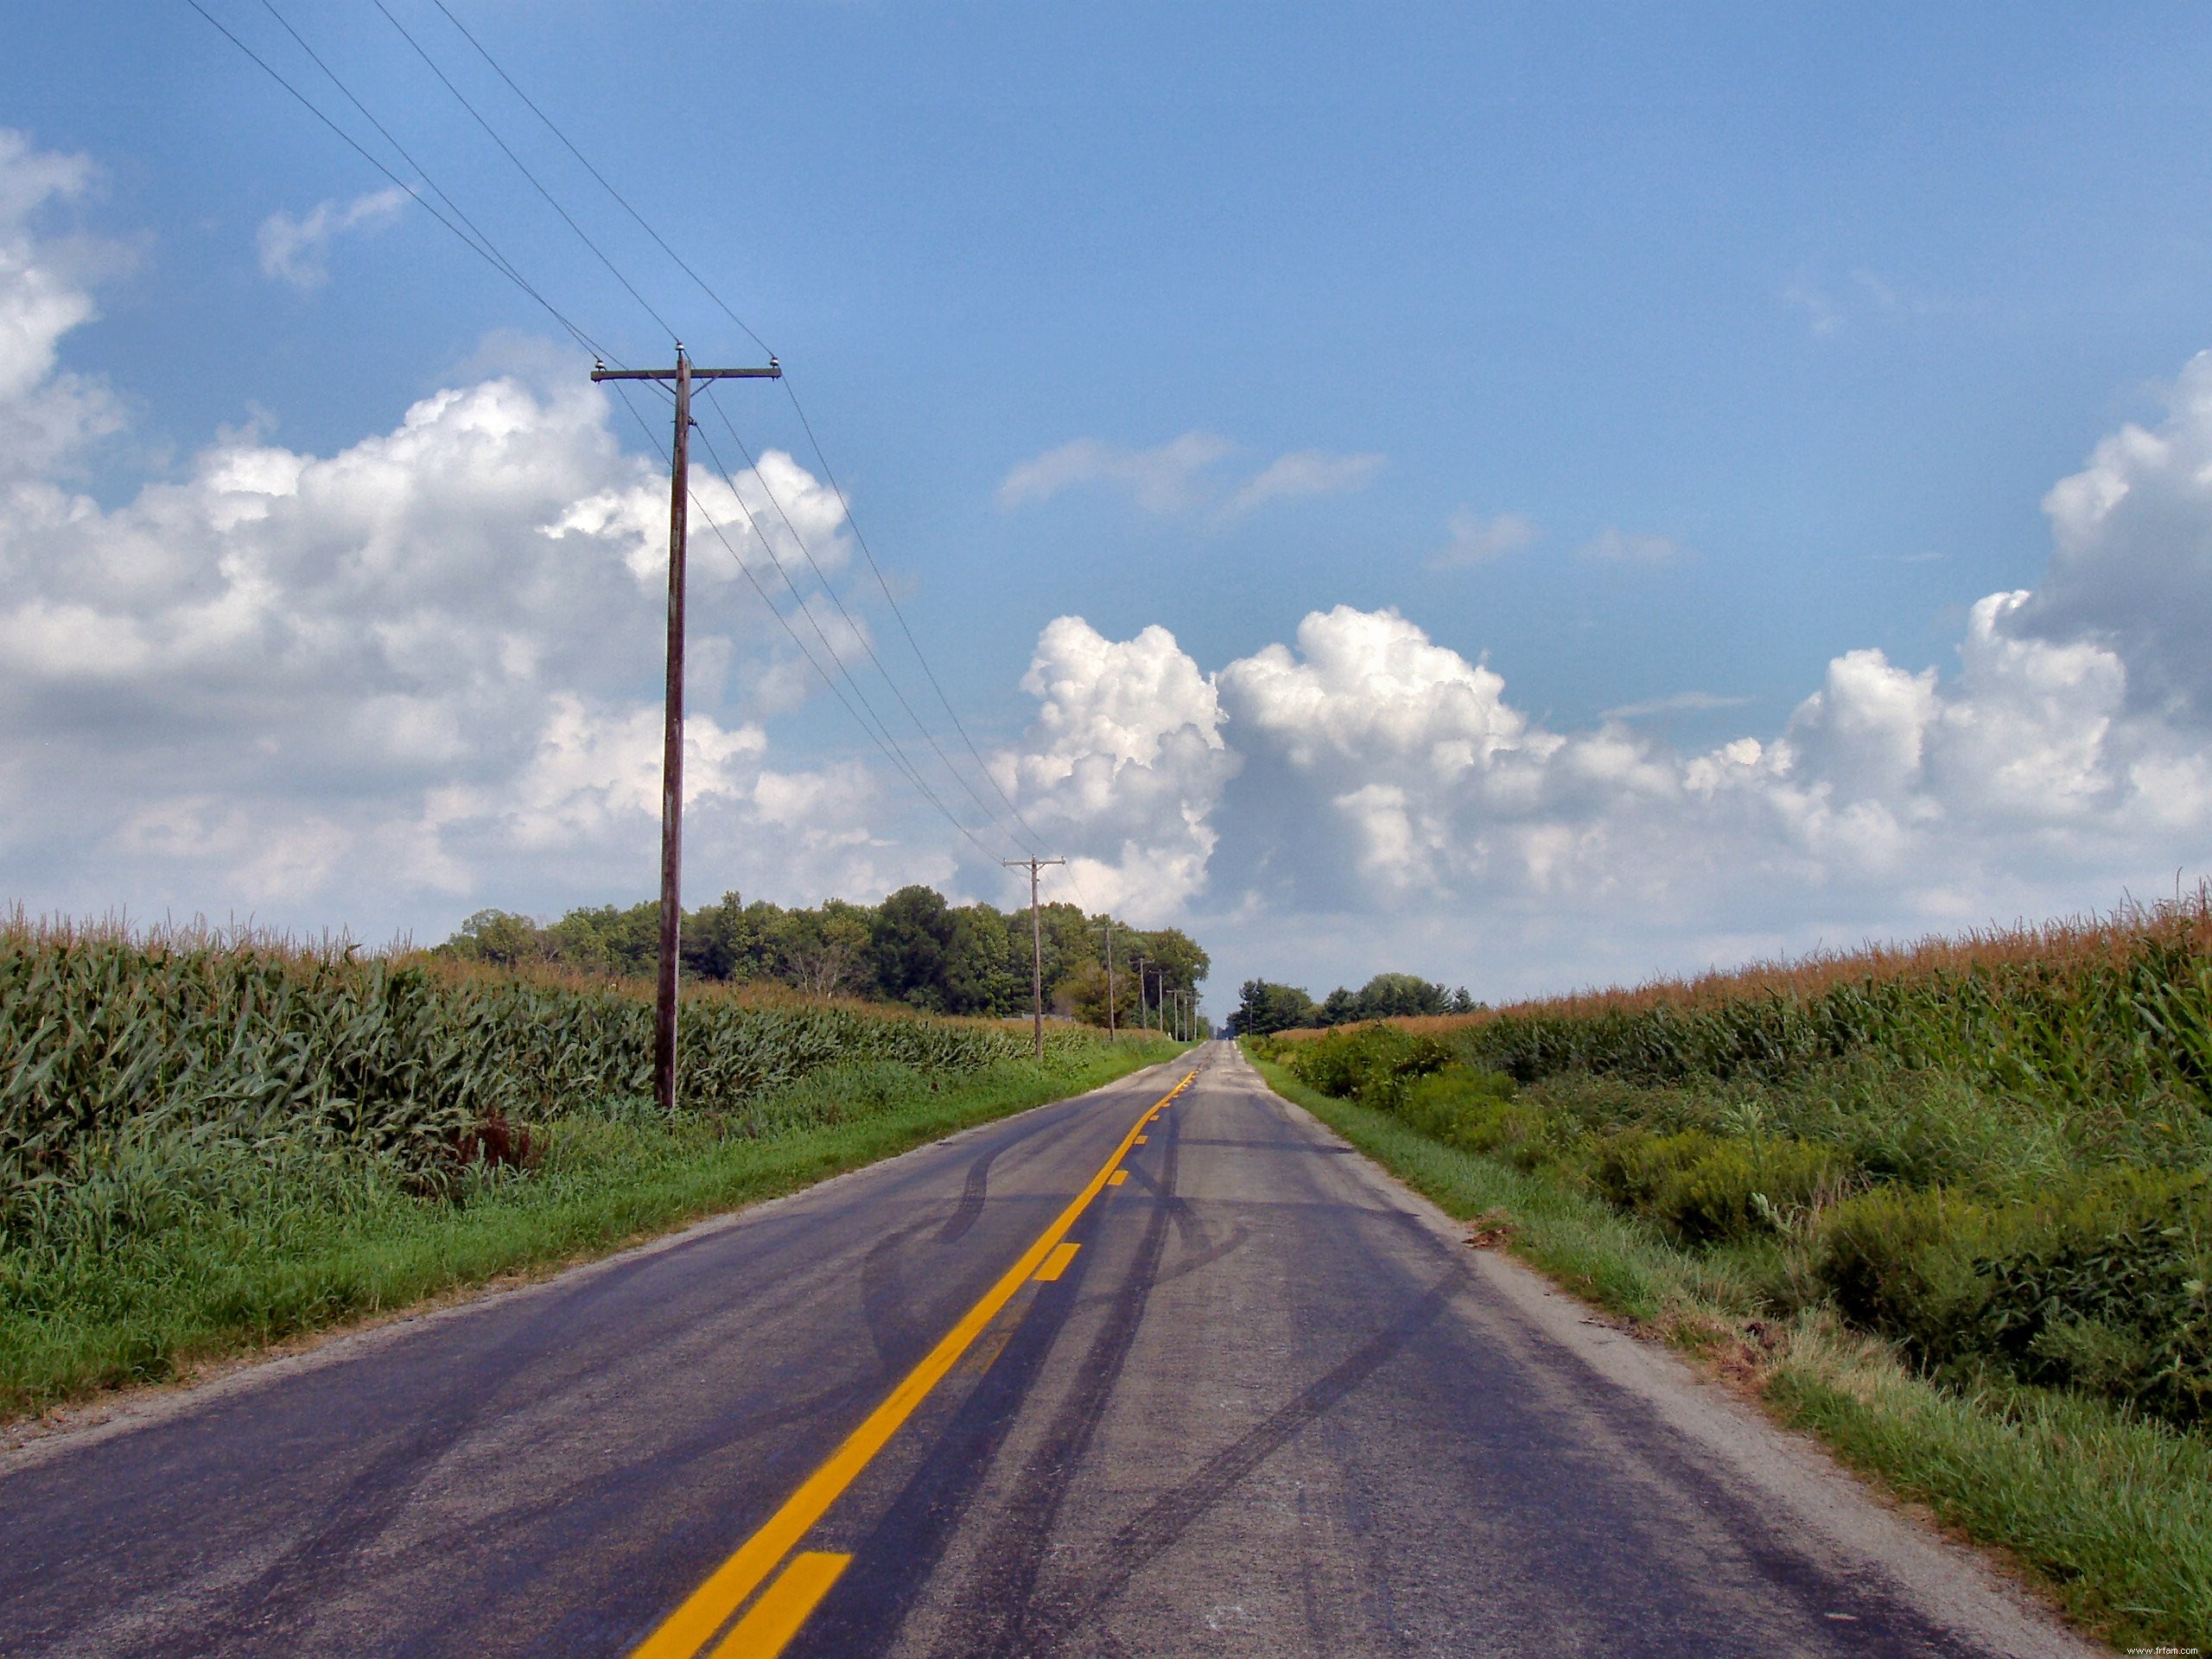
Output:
(672, 749)
(1036, 940)
(1144, 1014)
(1110, 978)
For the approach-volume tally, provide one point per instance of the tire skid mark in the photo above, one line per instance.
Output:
(291, 1584)
(1000, 1590)
(972, 1195)
(1166, 1518)
(884, 1303)
(894, 1559)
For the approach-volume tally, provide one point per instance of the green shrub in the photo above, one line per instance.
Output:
(1904, 1262)
(1372, 1064)
(1742, 1189)
(2098, 1283)
(1707, 1190)
(1634, 1166)
(1437, 1103)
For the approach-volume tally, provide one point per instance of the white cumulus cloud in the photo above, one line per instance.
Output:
(1382, 802)
(391, 682)
(1123, 766)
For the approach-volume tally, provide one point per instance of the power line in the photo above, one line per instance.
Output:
(474, 237)
(888, 742)
(482, 248)
(481, 244)
(897, 761)
(867, 645)
(621, 199)
(813, 440)
(897, 611)
(876, 732)
(491, 132)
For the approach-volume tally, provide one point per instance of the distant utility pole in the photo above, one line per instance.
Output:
(1110, 978)
(1036, 940)
(672, 749)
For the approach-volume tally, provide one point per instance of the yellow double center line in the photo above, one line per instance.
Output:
(685, 1631)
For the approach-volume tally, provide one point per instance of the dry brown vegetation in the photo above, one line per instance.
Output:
(2067, 945)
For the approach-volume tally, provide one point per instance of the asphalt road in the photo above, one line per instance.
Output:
(1269, 1405)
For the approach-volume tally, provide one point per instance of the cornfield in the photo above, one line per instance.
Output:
(201, 1043)
(2098, 1013)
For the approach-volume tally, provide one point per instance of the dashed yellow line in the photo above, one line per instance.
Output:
(685, 1631)
(1057, 1262)
(1117, 1178)
(774, 1619)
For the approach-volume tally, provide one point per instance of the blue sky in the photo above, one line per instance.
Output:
(1736, 342)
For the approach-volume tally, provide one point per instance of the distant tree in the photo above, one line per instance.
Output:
(623, 943)
(730, 940)
(497, 936)
(912, 947)
(1263, 1006)
(829, 951)
(1385, 996)
(986, 967)
(907, 946)
(1461, 1002)
(1177, 963)
(1388, 994)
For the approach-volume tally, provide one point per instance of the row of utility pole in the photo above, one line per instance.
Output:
(665, 1004)
(1178, 1007)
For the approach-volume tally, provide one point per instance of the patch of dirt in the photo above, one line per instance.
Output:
(1491, 1229)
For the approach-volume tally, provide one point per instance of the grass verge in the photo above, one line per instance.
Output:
(216, 1286)
(2107, 1512)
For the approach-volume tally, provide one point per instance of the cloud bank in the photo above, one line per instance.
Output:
(1375, 798)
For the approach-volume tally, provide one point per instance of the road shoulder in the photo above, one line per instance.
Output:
(1787, 1475)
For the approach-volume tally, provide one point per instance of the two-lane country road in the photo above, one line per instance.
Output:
(1110, 1378)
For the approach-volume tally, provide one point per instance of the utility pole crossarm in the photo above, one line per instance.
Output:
(773, 371)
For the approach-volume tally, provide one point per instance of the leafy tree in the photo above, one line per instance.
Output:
(497, 936)
(1384, 997)
(624, 943)
(908, 944)
(912, 947)
(829, 951)
(987, 966)
(1263, 1006)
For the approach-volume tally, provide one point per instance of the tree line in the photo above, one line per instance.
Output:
(1263, 1005)
(914, 948)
